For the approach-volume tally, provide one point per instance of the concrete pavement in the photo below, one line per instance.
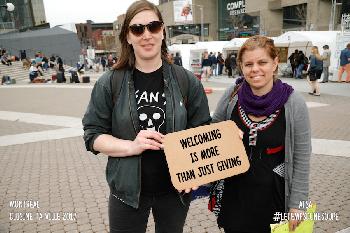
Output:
(43, 160)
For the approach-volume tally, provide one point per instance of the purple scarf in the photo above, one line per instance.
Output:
(263, 105)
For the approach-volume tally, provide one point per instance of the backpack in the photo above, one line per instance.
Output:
(6, 79)
(179, 72)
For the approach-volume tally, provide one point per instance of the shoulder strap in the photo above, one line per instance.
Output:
(235, 91)
(117, 78)
(182, 79)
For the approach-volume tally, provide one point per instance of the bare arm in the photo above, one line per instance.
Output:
(115, 147)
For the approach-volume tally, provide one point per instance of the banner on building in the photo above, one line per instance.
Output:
(345, 7)
(183, 11)
(236, 7)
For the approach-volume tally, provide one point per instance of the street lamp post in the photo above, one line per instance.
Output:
(9, 6)
(333, 12)
(202, 20)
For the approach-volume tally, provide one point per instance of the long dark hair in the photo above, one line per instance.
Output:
(127, 56)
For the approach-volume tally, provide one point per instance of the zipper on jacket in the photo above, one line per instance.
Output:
(172, 103)
(132, 120)
(133, 124)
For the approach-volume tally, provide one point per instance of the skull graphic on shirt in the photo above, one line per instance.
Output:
(151, 117)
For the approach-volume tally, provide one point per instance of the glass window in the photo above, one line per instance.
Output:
(193, 29)
(294, 16)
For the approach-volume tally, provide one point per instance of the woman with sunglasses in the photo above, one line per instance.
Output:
(131, 129)
(277, 138)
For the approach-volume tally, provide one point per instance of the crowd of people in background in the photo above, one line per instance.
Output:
(212, 64)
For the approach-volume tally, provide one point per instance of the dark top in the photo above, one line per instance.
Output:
(315, 64)
(213, 59)
(344, 57)
(178, 60)
(300, 59)
(253, 197)
(150, 99)
(233, 62)
(206, 62)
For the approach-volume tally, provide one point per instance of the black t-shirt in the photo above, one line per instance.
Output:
(150, 99)
(250, 199)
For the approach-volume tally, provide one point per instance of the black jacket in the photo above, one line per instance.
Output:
(121, 121)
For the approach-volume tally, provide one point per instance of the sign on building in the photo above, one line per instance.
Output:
(183, 11)
(234, 22)
(236, 8)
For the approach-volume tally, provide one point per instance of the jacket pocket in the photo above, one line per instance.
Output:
(112, 171)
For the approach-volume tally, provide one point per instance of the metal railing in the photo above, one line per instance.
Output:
(7, 25)
(345, 23)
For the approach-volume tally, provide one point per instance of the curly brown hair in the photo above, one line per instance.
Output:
(255, 42)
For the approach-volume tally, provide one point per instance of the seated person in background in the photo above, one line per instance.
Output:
(5, 60)
(26, 63)
(52, 62)
(33, 72)
(45, 63)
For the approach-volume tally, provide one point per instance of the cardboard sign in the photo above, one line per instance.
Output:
(205, 154)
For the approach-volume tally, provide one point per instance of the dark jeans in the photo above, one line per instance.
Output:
(221, 66)
(168, 212)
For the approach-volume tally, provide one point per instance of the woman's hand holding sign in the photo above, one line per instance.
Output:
(188, 190)
(146, 140)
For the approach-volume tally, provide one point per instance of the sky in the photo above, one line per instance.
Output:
(78, 11)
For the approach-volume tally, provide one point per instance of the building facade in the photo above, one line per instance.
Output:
(117, 26)
(241, 18)
(190, 21)
(28, 14)
(99, 36)
(186, 21)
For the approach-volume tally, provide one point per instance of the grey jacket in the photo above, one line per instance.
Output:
(121, 120)
(297, 144)
(326, 55)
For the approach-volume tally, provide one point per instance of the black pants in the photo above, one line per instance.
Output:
(168, 212)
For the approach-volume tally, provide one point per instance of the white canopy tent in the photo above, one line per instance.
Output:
(233, 45)
(184, 50)
(192, 53)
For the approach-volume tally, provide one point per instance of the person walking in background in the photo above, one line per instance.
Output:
(177, 59)
(326, 57)
(221, 63)
(276, 130)
(292, 60)
(300, 63)
(131, 128)
(344, 64)
(315, 71)
(233, 64)
(206, 66)
(103, 63)
(214, 62)
(228, 65)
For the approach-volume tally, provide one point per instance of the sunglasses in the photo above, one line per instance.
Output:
(139, 29)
